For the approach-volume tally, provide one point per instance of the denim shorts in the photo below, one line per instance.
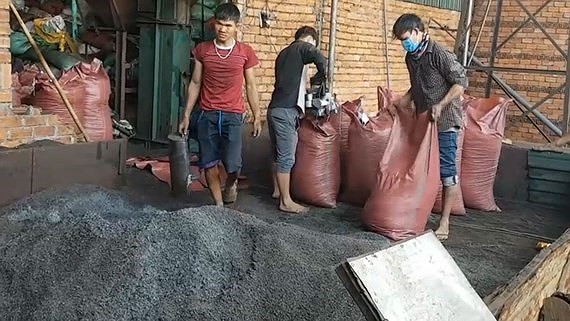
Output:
(447, 157)
(220, 139)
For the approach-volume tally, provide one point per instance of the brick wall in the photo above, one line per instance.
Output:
(5, 58)
(360, 64)
(529, 48)
(26, 125)
(22, 125)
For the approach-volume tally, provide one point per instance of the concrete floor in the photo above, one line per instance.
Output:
(490, 248)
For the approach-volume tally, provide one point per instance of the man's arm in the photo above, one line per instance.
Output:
(193, 89)
(454, 74)
(252, 94)
(312, 55)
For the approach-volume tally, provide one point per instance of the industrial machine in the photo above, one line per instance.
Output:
(319, 102)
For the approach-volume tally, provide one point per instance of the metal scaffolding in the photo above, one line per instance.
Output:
(527, 108)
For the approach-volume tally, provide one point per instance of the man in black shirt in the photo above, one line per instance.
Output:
(287, 106)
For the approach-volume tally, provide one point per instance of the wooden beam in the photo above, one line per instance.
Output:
(546, 274)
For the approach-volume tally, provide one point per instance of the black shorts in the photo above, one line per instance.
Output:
(220, 139)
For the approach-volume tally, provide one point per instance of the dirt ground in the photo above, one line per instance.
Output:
(490, 248)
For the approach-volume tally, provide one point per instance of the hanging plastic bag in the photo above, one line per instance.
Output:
(407, 179)
(484, 132)
(315, 178)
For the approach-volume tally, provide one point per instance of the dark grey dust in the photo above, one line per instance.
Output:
(89, 254)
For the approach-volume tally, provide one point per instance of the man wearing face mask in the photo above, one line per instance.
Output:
(287, 106)
(437, 82)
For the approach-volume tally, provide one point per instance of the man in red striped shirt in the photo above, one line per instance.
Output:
(218, 78)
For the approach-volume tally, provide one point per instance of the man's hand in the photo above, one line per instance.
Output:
(256, 127)
(435, 112)
(184, 126)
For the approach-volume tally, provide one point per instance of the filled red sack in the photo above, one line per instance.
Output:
(367, 144)
(315, 178)
(341, 123)
(484, 132)
(458, 208)
(407, 179)
(87, 88)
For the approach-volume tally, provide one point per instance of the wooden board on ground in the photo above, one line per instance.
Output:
(548, 273)
(412, 280)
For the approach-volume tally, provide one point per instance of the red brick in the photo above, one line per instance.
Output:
(44, 131)
(10, 121)
(22, 132)
(35, 120)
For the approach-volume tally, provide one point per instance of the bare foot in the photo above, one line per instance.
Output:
(230, 193)
(442, 232)
(220, 205)
(276, 194)
(292, 207)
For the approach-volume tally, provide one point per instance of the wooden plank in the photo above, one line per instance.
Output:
(414, 280)
(551, 161)
(521, 299)
(15, 174)
(549, 199)
(564, 283)
(549, 175)
(559, 188)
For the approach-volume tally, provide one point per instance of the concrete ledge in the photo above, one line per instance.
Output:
(29, 170)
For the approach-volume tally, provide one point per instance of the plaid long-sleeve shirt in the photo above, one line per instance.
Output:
(431, 77)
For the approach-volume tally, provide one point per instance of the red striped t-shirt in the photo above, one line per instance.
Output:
(222, 79)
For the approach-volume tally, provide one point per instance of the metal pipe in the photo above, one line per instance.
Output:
(514, 95)
(461, 27)
(566, 114)
(332, 45)
(518, 70)
(467, 32)
(321, 23)
(386, 53)
(179, 164)
(479, 33)
(494, 46)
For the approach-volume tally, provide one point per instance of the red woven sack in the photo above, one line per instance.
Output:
(315, 178)
(407, 179)
(484, 132)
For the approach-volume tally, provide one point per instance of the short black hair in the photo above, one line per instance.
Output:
(305, 31)
(407, 23)
(227, 12)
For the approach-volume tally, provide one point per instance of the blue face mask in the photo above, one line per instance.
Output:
(409, 45)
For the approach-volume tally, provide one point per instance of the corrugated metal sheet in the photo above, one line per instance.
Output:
(454, 5)
(549, 178)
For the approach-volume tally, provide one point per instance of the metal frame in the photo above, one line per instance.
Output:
(526, 107)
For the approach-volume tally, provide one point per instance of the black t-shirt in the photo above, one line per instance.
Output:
(289, 70)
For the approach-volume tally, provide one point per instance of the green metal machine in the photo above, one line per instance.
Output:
(165, 63)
